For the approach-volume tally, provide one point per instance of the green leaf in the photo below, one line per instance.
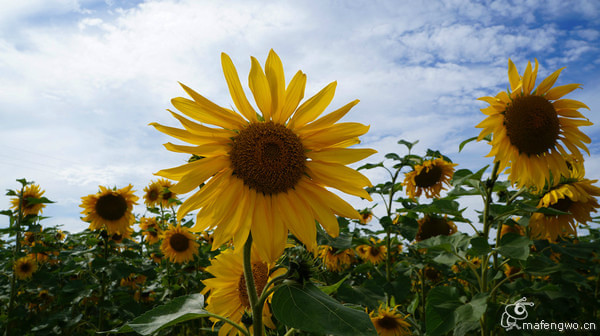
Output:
(480, 246)
(33, 200)
(439, 310)
(408, 227)
(467, 316)
(308, 308)
(462, 144)
(514, 246)
(393, 156)
(180, 309)
(333, 288)
(370, 166)
(409, 145)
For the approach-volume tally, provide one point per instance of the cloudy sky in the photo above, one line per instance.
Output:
(81, 79)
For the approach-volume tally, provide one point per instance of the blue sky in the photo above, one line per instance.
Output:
(81, 80)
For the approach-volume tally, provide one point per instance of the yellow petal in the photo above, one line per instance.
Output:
(559, 91)
(182, 134)
(198, 199)
(547, 83)
(328, 119)
(321, 212)
(205, 168)
(340, 177)
(332, 135)
(270, 237)
(569, 104)
(178, 172)
(527, 75)
(203, 110)
(513, 75)
(212, 149)
(216, 134)
(235, 89)
(260, 88)
(313, 107)
(341, 155)
(299, 220)
(276, 78)
(333, 201)
(293, 95)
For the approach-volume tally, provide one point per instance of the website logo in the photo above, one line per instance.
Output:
(513, 313)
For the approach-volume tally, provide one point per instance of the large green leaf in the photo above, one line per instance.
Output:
(514, 246)
(180, 309)
(308, 308)
(439, 310)
(467, 316)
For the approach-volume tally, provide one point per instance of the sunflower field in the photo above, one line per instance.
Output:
(249, 237)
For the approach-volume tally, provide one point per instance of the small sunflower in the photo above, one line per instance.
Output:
(257, 167)
(118, 237)
(179, 244)
(532, 129)
(390, 322)
(30, 238)
(336, 260)
(144, 296)
(167, 197)
(374, 252)
(31, 191)
(429, 177)
(228, 295)
(365, 216)
(152, 194)
(25, 267)
(431, 226)
(110, 208)
(150, 230)
(578, 198)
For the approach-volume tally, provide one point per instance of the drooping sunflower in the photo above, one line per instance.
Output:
(532, 129)
(179, 244)
(29, 208)
(109, 208)
(24, 268)
(431, 226)
(152, 194)
(430, 177)
(228, 295)
(576, 197)
(336, 260)
(389, 322)
(150, 230)
(260, 166)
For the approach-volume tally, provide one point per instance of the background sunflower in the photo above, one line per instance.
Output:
(179, 244)
(110, 209)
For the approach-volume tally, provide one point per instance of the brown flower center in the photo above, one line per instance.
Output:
(532, 124)
(268, 157)
(25, 267)
(167, 195)
(111, 207)
(563, 204)
(152, 195)
(433, 226)
(375, 251)
(429, 178)
(179, 242)
(260, 273)
(387, 322)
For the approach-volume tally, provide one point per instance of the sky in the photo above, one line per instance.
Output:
(80, 80)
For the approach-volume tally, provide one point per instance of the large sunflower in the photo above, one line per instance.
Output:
(31, 191)
(179, 244)
(25, 267)
(389, 322)
(578, 198)
(110, 208)
(429, 177)
(532, 128)
(261, 166)
(431, 226)
(228, 295)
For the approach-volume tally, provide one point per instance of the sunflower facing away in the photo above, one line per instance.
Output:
(429, 177)
(336, 260)
(25, 267)
(389, 322)
(228, 296)
(431, 226)
(30, 191)
(179, 244)
(532, 129)
(261, 166)
(110, 208)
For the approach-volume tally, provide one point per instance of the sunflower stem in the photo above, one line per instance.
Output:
(243, 330)
(251, 289)
(13, 280)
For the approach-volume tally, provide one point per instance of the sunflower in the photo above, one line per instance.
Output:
(389, 322)
(30, 238)
(144, 296)
(578, 198)
(150, 230)
(336, 260)
(152, 194)
(25, 267)
(228, 296)
(372, 253)
(429, 177)
(31, 191)
(179, 244)
(260, 166)
(365, 216)
(533, 129)
(431, 226)
(166, 196)
(110, 208)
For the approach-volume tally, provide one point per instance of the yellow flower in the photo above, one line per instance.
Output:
(150, 230)
(28, 208)
(372, 253)
(110, 208)
(533, 129)
(262, 166)
(152, 194)
(30, 238)
(365, 216)
(389, 322)
(431, 226)
(25, 267)
(336, 260)
(179, 244)
(429, 177)
(578, 198)
(228, 295)
(165, 193)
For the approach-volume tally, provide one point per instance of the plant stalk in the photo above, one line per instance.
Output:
(251, 289)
